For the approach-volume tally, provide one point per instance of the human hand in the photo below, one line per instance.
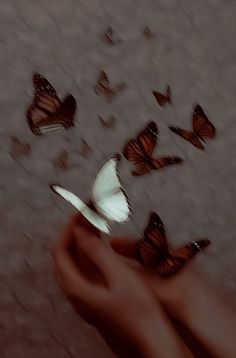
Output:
(190, 301)
(111, 296)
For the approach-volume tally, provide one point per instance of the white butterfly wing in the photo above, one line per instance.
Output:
(89, 214)
(107, 194)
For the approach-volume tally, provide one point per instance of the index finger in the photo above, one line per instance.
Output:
(76, 220)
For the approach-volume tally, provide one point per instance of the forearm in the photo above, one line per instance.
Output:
(211, 320)
(157, 338)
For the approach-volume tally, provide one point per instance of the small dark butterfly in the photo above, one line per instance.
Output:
(19, 148)
(108, 37)
(163, 99)
(202, 129)
(104, 88)
(62, 161)
(85, 150)
(147, 32)
(140, 151)
(109, 123)
(154, 253)
(48, 113)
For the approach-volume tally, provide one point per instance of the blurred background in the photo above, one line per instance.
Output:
(189, 45)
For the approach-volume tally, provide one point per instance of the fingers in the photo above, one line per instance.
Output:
(124, 246)
(71, 279)
(68, 273)
(104, 259)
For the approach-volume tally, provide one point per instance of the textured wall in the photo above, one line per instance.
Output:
(194, 51)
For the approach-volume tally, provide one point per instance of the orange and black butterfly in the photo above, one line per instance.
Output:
(104, 88)
(108, 38)
(153, 250)
(140, 150)
(48, 113)
(161, 98)
(202, 129)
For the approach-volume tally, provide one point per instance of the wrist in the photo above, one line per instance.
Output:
(157, 338)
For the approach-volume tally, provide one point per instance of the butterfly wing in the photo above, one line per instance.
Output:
(147, 32)
(110, 123)
(169, 266)
(179, 257)
(165, 162)
(107, 195)
(168, 94)
(63, 117)
(85, 149)
(146, 253)
(161, 98)
(189, 136)
(201, 124)
(107, 36)
(62, 161)
(19, 148)
(139, 150)
(153, 247)
(89, 214)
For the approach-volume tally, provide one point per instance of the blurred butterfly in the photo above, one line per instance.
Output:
(103, 86)
(202, 129)
(140, 152)
(108, 202)
(86, 150)
(109, 123)
(19, 148)
(62, 161)
(48, 113)
(153, 250)
(162, 99)
(147, 32)
(108, 39)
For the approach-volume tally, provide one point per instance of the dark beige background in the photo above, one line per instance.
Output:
(194, 51)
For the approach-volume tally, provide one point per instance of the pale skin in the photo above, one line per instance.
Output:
(134, 309)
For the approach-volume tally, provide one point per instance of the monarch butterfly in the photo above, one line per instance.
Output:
(140, 152)
(108, 198)
(202, 129)
(108, 39)
(103, 86)
(48, 113)
(163, 99)
(153, 250)
(109, 123)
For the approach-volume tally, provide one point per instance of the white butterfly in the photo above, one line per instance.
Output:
(108, 197)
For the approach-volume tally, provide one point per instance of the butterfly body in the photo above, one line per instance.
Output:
(48, 113)
(140, 152)
(202, 129)
(153, 250)
(108, 200)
